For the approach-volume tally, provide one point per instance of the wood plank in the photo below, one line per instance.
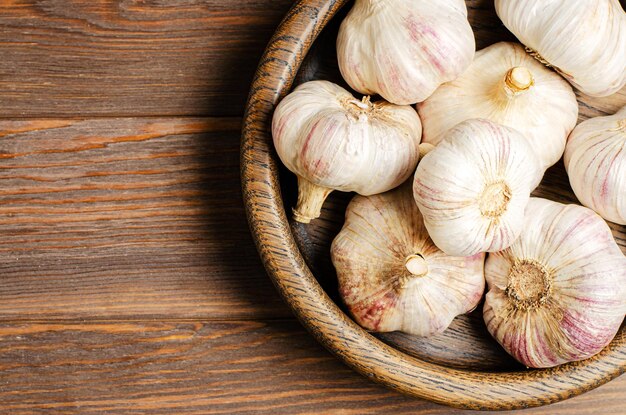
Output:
(105, 57)
(126, 218)
(147, 58)
(199, 368)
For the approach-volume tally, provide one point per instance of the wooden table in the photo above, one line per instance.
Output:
(129, 282)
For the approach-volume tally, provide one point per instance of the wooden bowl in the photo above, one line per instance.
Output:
(463, 367)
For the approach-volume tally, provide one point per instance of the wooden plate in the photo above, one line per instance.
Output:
(463, 367)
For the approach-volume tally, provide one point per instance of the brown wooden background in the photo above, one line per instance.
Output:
(128, 279)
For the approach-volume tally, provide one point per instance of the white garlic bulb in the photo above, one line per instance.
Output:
(506, 85)
(558, 294)
(392, 276)
(585, 40)
(333, 141)
(595, 159)
(404, 49)
(473, 187)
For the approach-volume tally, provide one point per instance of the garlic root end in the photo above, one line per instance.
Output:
(494, 200)
(529, 284)
(311, 198)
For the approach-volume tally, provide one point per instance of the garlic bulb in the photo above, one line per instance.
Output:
(595, 159)
(404, 49)
(473, 187)
(392, 276)
(506, 85)
(332, 141)
(585, 40)
(558, 294)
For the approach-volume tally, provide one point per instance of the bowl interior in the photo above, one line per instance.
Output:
(466, 344)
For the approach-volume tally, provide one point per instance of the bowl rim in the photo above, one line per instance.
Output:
(319, 314)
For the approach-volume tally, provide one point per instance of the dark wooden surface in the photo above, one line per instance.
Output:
(131, 57)
(128, 279)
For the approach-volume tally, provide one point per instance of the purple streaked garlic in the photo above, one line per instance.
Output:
(333, 141)
(391, 274)
(558, 294)
(595, 159)
(506, 85)
(584, 40)
(404, 49)
(473, 187)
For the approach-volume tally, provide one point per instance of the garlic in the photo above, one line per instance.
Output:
(333, 141)
(473, 187)
(392, 276)
(506, 85)
(584, 40)
(558, 294)
(595, 159)
(404, 49)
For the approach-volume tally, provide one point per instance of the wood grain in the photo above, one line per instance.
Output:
(126, 218)
(113, 219)
(144, 58)
(201, 368)
(131, 57)
(125, 260)
(283, 257)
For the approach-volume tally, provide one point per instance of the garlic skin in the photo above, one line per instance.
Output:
(392, 276)
(584, 40)
(473, 187)
(404, 49)
(333, 141)
(506, 85)
(595, 159)
(558, 294)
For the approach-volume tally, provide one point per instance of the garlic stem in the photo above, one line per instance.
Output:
(519, 79)
(311, 197)
(425, 148)
(416, 265)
